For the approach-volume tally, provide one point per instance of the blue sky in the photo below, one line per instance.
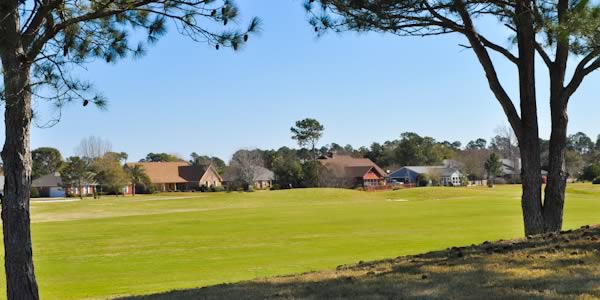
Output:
(185, 97)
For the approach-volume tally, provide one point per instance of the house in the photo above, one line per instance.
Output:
(409, 174)
(51, 186)
(180, 176)
(511, 168)
(347, 171)
(263, 178)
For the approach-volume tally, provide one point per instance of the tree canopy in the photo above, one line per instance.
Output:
(160, 157)
(46, 160)
(564, 34)
(307, 132)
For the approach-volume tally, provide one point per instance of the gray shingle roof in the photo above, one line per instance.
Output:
(444, 171)
(49, 180)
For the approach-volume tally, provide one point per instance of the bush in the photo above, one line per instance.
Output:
(423, 180)
(464, 181)
(591, 172)
(275, 187)
(596, 181)
(203, 188)
(35, 193)
(216, 189)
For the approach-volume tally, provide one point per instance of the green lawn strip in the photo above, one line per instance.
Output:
(120, 246)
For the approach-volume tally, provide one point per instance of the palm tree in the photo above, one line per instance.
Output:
(137, 175)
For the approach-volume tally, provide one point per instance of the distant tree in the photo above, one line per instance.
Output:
(478, 144)
(216, 162)
(414, 150)
(581, 143)
(93, 147)
(336, 148)
(119, 156)
(597, 147)
(307, 132)
(160, 157)
(423, 180)
(375, 153)
(287, 168)
(137, 176)
(46, 160)
(242, 167)
(305, 154)
(454, 145)
(441, 151)
(505, 143)
(435, 176)
(574, 164)
(544, 153)
(311, 173)
(76, 173)
(472, 163)
(493, 167)
(591, 172)
(109, 173)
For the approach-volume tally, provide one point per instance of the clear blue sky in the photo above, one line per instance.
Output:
(184, 96)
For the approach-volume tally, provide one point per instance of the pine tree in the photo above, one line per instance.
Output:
(40, 42)
(562, 33)
(493, 167)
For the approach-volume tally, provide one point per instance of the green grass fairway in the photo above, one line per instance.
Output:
(123, 246)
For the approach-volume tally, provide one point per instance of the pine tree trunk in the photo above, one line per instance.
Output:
(531, 201)
(557, 176)
(16, 154)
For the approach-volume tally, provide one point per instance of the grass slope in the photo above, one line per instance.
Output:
(149, 244)
(555, 266)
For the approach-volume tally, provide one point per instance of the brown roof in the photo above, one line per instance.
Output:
(173, 172)
(346, 166)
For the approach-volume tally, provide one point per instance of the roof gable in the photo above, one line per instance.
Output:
(49, 180)
(346, 166)
(172, 172)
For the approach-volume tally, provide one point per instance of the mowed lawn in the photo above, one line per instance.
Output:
(153, 243)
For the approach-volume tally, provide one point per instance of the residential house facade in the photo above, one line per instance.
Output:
(263, 178)
(409, 175)
(180, 176)
(51, 186)
(346, 171)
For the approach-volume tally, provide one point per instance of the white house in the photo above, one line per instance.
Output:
(409, 174)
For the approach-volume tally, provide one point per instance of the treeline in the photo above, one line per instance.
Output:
(95, 160)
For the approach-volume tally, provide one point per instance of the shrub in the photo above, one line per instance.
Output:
(35, 193)
(591, 172)
(596, 181)
(216, 189)
(423, 180)
(275, 187)
(464, 181)
(203, 188)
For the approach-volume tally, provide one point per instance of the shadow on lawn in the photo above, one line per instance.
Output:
(552, 267)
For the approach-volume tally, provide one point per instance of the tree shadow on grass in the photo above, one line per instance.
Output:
(553, 267)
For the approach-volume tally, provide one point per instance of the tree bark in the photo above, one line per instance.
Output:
(20, 277)
(531, 200)
(557, 176)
